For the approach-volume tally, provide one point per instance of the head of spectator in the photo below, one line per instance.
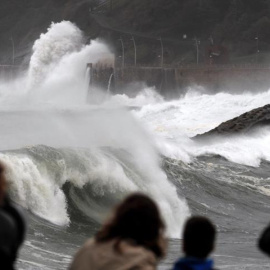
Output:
(198, 242)
(133, 238)
(198, 237)
(3, 183)
(136, 219)
(12, 225)
(264, 241)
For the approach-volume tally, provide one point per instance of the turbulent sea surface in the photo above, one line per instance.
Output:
(69, 162)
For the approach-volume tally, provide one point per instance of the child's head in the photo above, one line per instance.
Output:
(198, 237)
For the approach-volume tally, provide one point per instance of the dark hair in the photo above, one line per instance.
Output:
(3, 183)
(198, 237)
(136, 219)
(264, 241)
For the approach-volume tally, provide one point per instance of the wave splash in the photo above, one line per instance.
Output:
(37, 174)
(61, 39)
(175, 122)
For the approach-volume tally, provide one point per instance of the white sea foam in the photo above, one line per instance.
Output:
(146, 96)
(34, 189)
(33, 185)
(167, 129)
(56, 80)
(169, 123)
(178, 120)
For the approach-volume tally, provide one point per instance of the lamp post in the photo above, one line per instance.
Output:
(123, 53)
(257, 48)
(211, 40)
(197, 43)
(13, 50)
(161, 44)
(135, 51)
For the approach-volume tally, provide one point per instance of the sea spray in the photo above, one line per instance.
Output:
(176, 122)
(61, 39)
(37, 174)
(57, 116)
(33, 189)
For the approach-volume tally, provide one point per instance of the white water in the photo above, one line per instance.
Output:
(176, 121)
(47, 106)
(53, 112)
(60, 40)
(33, 188)
(109, 84)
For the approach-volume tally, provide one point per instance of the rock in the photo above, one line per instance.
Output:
(242, 123)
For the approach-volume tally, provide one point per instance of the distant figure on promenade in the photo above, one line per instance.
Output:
(132, 239)
(198, 242)
(264, 241)
(12, 226)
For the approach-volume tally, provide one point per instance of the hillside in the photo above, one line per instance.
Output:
(22, 22)
(240, 26)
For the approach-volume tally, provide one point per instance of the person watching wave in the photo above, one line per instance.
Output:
(264, 241)
(198, 242)
(12, 226)
(132, 239)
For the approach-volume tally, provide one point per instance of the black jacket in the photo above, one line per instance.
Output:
(12, 232)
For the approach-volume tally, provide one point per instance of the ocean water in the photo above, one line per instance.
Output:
(69, 162)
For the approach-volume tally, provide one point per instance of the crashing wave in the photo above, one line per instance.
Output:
(63, 185)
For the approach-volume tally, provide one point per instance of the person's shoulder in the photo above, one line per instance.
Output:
(89, 242)
(88, 245)
(138, 252)
(81, 257)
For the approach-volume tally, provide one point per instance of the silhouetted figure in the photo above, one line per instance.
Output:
(12, 226)
(131, 239)
(264, 241)
(198, 242)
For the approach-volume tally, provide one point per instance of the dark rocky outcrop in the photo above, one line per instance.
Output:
(242, 123)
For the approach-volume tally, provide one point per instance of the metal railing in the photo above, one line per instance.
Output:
(201, 66)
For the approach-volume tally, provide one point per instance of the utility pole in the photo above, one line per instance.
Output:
(161, 44)
(211, 40)
(197, 43)
(257, 48)
(13, 50)
(135, 51)
(123, 53)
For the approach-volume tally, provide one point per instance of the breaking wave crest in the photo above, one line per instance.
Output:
(97, 179)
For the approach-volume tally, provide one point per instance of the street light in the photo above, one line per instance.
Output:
(257, 47)
(123, 52)
(197, 43)
(135, 51)
(161, 44)
(13, 50)
(211, 40)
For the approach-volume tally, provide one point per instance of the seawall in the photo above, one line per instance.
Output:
(174, 81)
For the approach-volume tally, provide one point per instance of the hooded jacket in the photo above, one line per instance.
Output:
(104, 256)
(190, 263)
